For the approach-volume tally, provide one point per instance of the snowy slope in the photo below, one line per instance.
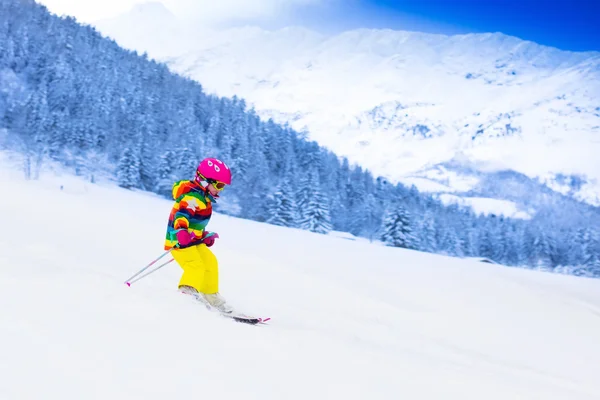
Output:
(351, 320)
(399, 102)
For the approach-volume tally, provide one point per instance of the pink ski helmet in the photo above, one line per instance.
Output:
(212, 169)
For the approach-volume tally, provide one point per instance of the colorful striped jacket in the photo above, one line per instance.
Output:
(192, 211)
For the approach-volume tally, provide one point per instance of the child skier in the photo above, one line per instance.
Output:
(186, 232)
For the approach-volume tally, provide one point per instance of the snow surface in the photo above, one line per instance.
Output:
(425, 185)
(351, 320)
(441, 180)
(486, 205)
(447, 185)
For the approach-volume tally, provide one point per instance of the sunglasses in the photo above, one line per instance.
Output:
(217, 184)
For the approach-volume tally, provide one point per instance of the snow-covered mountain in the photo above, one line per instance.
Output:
(401, 103)
(150, 27)
(421, 325)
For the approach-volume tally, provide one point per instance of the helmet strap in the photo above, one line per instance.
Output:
(201, 180)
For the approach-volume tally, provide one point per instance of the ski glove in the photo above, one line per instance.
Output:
(209, 238)
(184, 237)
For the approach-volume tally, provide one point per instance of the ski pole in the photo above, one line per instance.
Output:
(149, 272)
(148, 266)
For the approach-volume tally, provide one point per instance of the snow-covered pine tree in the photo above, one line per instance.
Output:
(239, 161)
(427, 233)
(146, 148)
(470, 238)
(212, 131)
(509, 254)
(396, 230)
(373, 216)
(187, 163)
(520, 245)
(282, 206)
(93, 161)
(128, 169)
(576, 245)
(502, 241)
(542, 251)
(165, 169)
(314, 213)
(592, 253)
(303, 191)
(37, 128)
(254, 200)
(486, 242)
(225, 139)
(451, 242)
(255, 184)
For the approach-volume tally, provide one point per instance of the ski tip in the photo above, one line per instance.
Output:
(128, 284)
(263, 320)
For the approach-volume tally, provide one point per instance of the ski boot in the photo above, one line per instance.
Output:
(191, 291)
(211, 301)
(218, 302)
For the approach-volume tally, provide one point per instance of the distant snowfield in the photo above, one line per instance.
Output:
(486, 206)
(455, 183)
(351, 320)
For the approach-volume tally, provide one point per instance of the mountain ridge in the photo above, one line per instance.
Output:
(400, 102)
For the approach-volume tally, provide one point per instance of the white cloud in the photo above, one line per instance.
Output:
(89, 10)
(206, 12)
(211, 11)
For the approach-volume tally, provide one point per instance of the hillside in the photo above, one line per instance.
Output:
(351, 320)
(71, 97)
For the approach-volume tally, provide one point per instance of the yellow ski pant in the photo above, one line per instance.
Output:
(200, 268)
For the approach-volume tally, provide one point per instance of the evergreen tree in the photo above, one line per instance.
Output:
(373, 216)
(315, 212)
(396, 230)
(282, 207)
(165, 171)
(502, 242)
(591, 253)
(470, 239)
(303, 192)
(451, 243)
(91, 160)
(428, 234)
(187, 163)
(520, 246)
(128, 170)
(541, 251)
(593, 265)
(486, 244)
(255, 184)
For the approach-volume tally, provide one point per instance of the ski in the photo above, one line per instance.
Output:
(244, 319)
(237, 317)
(247, 320)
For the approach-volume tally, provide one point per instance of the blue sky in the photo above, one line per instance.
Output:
(566, 24)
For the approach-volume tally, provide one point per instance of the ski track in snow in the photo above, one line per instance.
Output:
(351, 320)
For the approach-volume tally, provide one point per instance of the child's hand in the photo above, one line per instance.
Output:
(184, 237)
(210, 240)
